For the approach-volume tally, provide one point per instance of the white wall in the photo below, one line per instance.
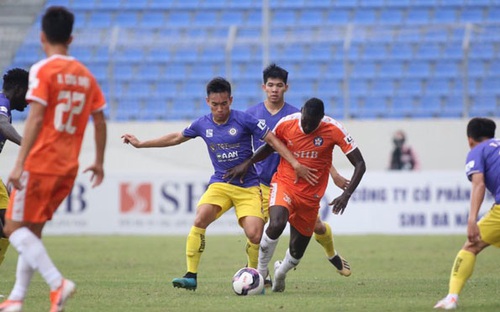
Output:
(440, 144)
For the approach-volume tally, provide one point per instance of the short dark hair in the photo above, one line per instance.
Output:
(57, 24)
(480, 128)
(315, 107)
(218, 85)
(274, 71)
(15, 77)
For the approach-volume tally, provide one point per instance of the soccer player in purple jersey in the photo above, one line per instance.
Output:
(228, 136)
(270, 111)
(15, 86)
(483, 170)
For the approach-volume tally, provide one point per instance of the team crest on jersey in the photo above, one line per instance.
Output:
(318, 141)
(209, 133)
(261, 124)
(233, 131)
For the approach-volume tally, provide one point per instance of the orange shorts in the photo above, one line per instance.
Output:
(303, 211)
(39, 199)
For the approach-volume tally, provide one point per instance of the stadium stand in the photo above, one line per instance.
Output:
(365, 58)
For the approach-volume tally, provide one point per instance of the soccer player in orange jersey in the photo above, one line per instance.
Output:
(311, 137)
(62, 95)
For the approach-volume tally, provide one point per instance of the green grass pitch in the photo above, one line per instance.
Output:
(134, 273)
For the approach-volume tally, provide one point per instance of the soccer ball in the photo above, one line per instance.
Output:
(248, 281)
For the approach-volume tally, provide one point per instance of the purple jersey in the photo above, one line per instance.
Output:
(485, 158)
(267, 167)
(229, 144)
(4, 110)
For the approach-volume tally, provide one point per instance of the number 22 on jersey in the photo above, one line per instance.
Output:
(71, 102)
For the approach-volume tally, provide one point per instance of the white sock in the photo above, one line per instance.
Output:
(288, 263)
(454, 296)
(32, 250)
(24, 273)
(266, 251)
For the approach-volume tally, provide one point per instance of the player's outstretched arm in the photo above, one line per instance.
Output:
(340, 203)
(338, 179)
(100, 135)
(171, 139)
(8, 131)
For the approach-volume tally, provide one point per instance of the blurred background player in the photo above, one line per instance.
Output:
(62, 95)
(311, 137)
(274, 107)
(228, 136)
(13, 97)
(483, 170)
(403, 156)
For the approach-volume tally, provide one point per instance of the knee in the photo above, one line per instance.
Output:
(297, 254)
(319, 227)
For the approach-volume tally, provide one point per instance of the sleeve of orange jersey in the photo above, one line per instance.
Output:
(38, 90)
(343, 140)
(98, 101)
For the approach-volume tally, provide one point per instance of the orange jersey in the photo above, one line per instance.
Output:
(70, 93)
(314, 150)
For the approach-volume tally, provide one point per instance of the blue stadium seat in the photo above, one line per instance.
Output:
(149, 72)
(165, 89)
(418, 69)
(365, 16)
(358, 87)
(329, 87)
(364, 69)
(334, 70)
(152, 19)
(484, 106)
(444, 68)
(128, 110)
(100, 19)
(428, 106)
(401, 107)
(371, 3)
(368, 107)
(445, 15)
(179, 18)
(284, 17)
(231, 17)
(397, 3)
(164, 4)
(185, 54)
(382, 87)
(176, 71)
(417, 16)
(493, 69)
(311, 17)
(472, 14)
(391, 16)
(452, 50)
(374, 51)
(482, 50)
(391, 68)
(490, 86)
(254, 17)
(215, 4)
(428, 51)
(409, 87)
(159, 55)
(129, 55)
(453, 107)
(83, 54)
(84, 5)
(338, 16)
(493, 14)
(205, 18)
(437, 86)
(127, 18)
(154, 110)
(123, 72)
(108, 5)
(318, 52)
(100, 71)
(401, 51)
(477, 68)
(134, 4)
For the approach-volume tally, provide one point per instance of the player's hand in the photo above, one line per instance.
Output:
(340, 203)
(305, 173)
(97, 174)
(473, 234)
(131, 139)
(14, 179)
(340, 181)
(237, 171)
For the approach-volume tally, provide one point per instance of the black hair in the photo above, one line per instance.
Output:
(274, 71)
(480, 128)
(57, 24)
(15, 77)
(315, 107)
(218, 85)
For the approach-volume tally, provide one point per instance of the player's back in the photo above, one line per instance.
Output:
(69, 93)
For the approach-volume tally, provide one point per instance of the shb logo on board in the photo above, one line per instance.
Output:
(135, 198)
